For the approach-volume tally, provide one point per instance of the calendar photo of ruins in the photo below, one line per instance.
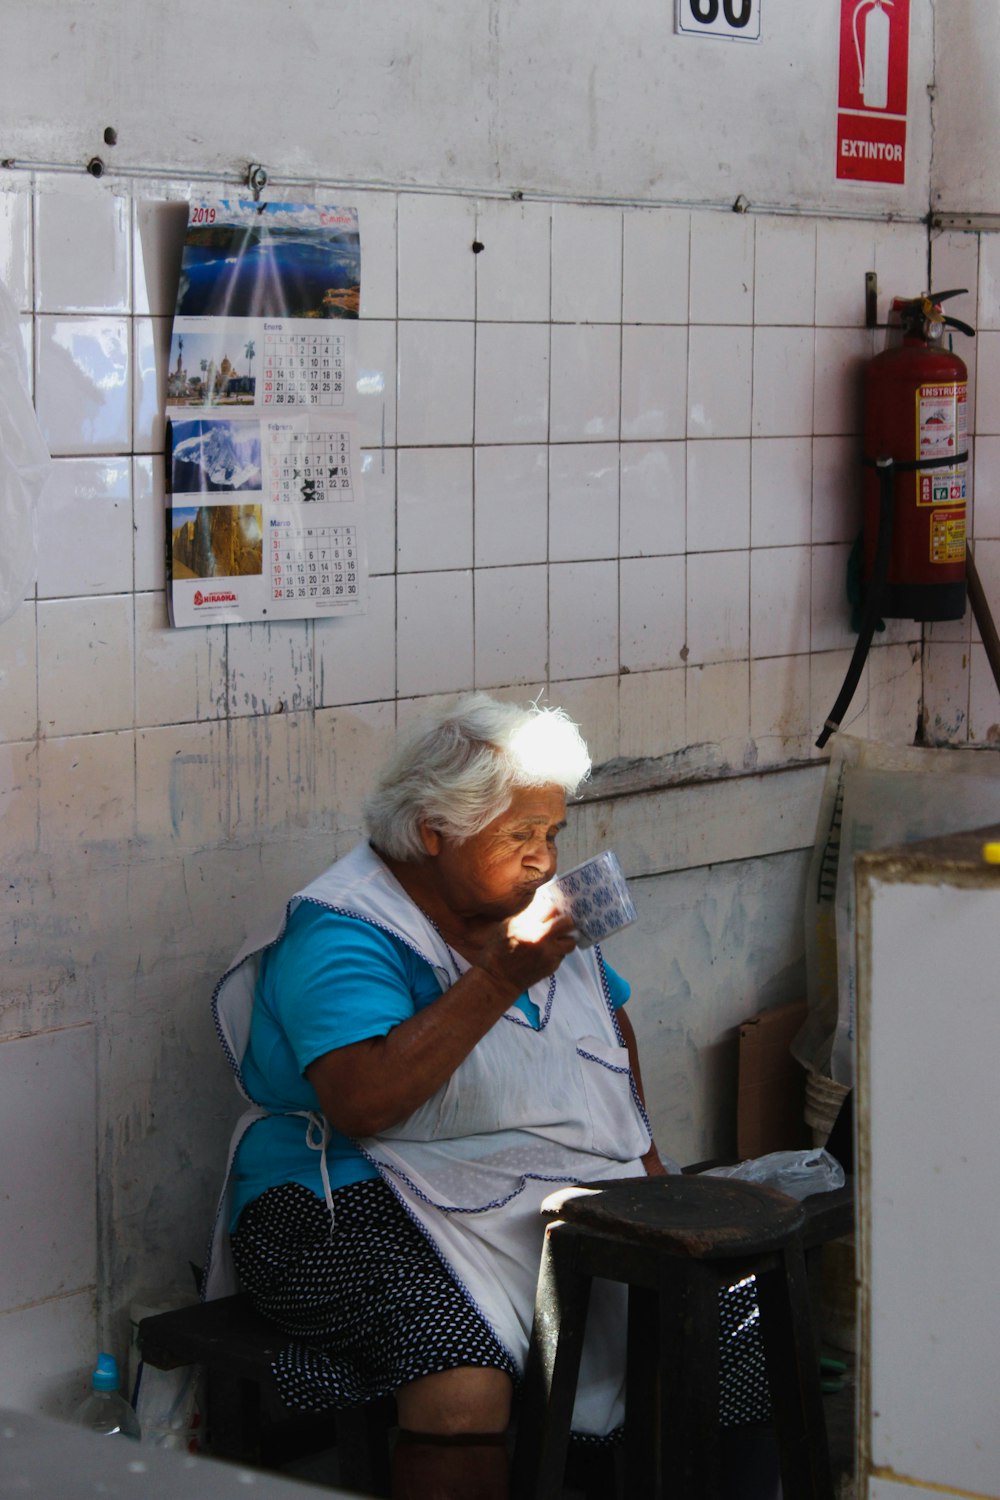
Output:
(216, 541)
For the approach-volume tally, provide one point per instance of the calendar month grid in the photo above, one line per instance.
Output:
(314, 562)
(303, 369)
(310, 467)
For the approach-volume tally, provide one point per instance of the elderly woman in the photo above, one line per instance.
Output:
(428, 1055)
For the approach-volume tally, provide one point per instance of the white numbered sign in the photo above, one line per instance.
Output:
(733, 20)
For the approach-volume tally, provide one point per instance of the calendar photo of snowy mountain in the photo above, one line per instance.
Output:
(261, 260)
(212, 454)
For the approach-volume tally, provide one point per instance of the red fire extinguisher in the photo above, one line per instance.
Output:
(916, 413)
(915, 482)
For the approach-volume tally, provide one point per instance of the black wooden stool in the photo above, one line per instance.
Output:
(675, 1242)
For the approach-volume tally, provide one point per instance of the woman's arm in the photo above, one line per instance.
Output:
(651, 1160)
(370, 1085)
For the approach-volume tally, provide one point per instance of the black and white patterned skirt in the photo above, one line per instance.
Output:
(372, 1306)
(373, 1302)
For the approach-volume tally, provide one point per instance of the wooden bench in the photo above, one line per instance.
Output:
(245, 1419)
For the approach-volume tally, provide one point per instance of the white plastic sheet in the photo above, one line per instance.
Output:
(25, 465)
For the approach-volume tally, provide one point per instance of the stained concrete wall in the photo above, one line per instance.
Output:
(559, 98)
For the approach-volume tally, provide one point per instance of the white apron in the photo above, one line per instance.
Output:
(526, 1111)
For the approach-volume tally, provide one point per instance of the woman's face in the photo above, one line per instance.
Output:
(497, 871)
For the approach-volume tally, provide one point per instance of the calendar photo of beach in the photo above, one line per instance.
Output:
(216, 541)
(260, 260)
(212, 454)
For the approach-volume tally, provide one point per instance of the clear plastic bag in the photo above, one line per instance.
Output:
(24, 465)
(168, 1403)
(797, 1173)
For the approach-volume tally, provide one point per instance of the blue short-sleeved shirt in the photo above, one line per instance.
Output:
(329, 981)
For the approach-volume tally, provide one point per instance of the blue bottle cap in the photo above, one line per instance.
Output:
(106, 1377)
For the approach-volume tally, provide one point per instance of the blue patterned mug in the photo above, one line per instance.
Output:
(596, 895)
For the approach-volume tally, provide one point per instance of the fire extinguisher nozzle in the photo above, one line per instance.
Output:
(828, 728)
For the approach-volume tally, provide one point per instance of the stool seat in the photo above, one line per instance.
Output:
(675, 1242)
(703, 1217)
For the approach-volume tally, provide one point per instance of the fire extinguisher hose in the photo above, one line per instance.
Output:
(981, 611)
(873, 600)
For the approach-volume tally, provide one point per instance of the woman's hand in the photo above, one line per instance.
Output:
(528, 947)
(653, 1165)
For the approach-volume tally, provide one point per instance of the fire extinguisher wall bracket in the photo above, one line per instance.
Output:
(915, 465)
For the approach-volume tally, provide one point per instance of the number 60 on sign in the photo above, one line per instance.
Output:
(732, 20)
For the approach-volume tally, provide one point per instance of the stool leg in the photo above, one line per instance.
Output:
(551, 1370)
(642, 1394)
(793, 1377)
(689, 1383)
(234, 1418)
(363, 1447)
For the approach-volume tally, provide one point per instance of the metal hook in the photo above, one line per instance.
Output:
(871, 299)
(256, 179)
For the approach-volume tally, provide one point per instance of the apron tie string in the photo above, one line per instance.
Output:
(317, 1139)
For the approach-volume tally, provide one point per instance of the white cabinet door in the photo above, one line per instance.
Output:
(929, 1175)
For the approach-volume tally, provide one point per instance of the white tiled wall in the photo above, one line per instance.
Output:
(611, 456)
(592, 387)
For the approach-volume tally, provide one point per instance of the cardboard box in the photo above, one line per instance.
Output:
(771, 1084)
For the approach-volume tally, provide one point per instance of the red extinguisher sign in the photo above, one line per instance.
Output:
(871, 106)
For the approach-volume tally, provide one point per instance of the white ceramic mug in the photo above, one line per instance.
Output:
(596, 895)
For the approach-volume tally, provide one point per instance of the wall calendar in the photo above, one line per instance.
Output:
(265, 516)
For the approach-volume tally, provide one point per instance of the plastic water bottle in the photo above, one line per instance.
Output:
(104, 1410)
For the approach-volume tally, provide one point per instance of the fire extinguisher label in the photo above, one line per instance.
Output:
(948, 536)
(942, 432)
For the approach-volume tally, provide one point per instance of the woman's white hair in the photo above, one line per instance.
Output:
(457, 770)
